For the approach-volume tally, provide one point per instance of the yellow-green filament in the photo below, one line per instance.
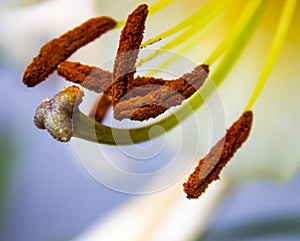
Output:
(205, 18)
(155, 7)
(159, 5)
(186, 46)
(281, 32)
(223, 68)
(232, 36)
(185, 23)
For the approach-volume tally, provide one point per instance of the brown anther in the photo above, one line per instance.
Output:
(141, 86)
(101, 107)
(99, 80)
(89, 77)
(156, 102)
(61, 48)
(129, 44)
(210, 167)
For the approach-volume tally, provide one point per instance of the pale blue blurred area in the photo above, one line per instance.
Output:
(258, 211)
(50, 196)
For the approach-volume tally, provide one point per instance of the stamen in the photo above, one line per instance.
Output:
(234, 51)
(187, 45)
(98, 80)
(101, 108)
(232, 37)
(210, 167)
(204, 17)
(89, 77)
(155, 7)
(59, 49)
(158, 101)
(281, 32)
(196, 17)
(159, 5)
(129, 44)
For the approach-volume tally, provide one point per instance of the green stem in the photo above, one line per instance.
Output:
(88, 129)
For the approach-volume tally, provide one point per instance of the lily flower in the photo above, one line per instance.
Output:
(252, 49)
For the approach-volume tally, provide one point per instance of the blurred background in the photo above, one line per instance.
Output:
(46, 194)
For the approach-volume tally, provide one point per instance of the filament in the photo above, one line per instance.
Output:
(280, 34)
(155, 7)
(231, 38)
(204, 17)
